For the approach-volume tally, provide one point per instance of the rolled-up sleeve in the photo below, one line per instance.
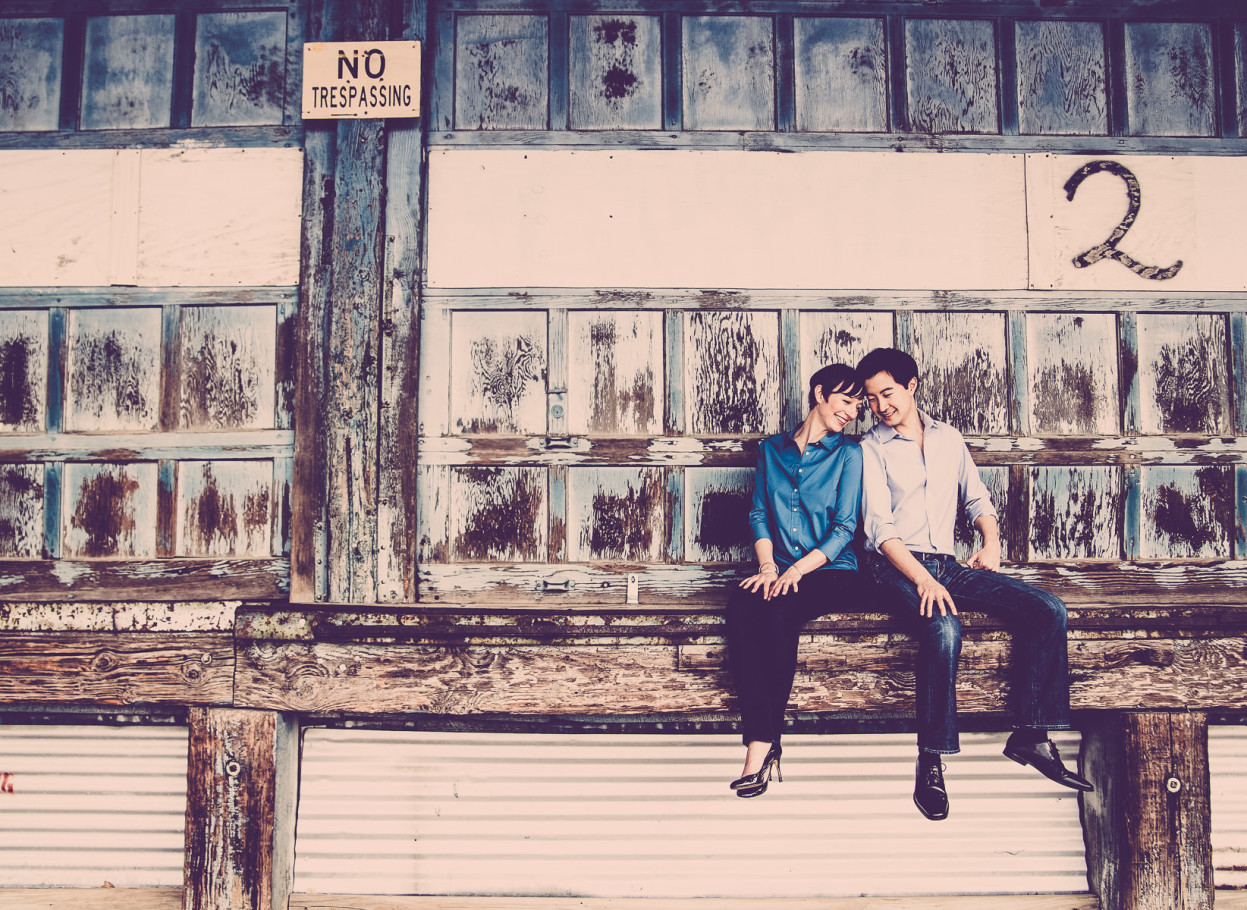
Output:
(877, 521)
(758, 513)
(848, 503)
(978, 502)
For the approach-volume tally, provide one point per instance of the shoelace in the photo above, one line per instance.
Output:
(932, 776)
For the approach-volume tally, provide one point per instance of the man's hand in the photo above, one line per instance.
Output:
(987, 558)
(932, 594)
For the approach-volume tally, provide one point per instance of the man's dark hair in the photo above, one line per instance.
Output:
(897, 364)
(838, 377)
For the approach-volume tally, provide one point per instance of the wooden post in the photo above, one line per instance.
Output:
(1147, 825)
(242, 782)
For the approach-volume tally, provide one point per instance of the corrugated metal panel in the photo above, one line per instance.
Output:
(1227, 763)
(651, 815)
(80, 806)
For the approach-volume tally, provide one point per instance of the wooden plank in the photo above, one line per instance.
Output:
(116, 669)
(67, 580)
(240, 68)
(501, 72)
(113, 376)
(23, 298)
(105, 616)
(729, 72)
(1170, 79)
(951, 76)
(24, 358)
(926, 902)
(92, 898)
(110, 510)
(1073, 386)
(616, 514)
(242, 785)
(432, 514)
(675, 417)
(498, 373)
(616, 385)
(841, 73)
(1183, 381)
(616, 72)
(69, 447)
(1061, 78)
(224, 509)
(964, 365)
(672, 71)
(748, 397)
(1240, 77)
(21, 510)
(717, 508)
(1076, 513)
(128, 72)
(30, 69)
(1187, 512)
(227, 368)
(498, 514)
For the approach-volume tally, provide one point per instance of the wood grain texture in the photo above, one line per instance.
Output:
(1240, 75)
(112, 374)
(110, 510)
(729, 72)
(1187, 512)
(616, 514)
(716, 509)
(1061, 78)
(501, 72)
(498, 514)
(616, 383)
(615, 72)
(92, 898)
(24, 358)
(732, 378)
(116, 669)
(21, 510)
(224, 508)
(925, 902)
(1170, 79)
(240, 68)
(1073, 385)
(950, 67)
(30, 71)
(128, 73)
(242, 784)
(963, 365)
(227, 368)
(1076, 513)
(498, 372)
(1183, 382)
(841, 74)
(93, 581)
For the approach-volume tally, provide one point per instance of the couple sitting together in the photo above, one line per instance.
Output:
(902, 484)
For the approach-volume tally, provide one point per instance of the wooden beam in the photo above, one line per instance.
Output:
(1147, 825)
(66, 580)
(242, 783)
(942, 902)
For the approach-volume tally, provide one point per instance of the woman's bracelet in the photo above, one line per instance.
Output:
(768, 565)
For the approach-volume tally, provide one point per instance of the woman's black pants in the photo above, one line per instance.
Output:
(762, 644)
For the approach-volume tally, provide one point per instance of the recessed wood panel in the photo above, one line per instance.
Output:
(128, 73)
(1171, 84)
(1183, 376)
(950, 67)
(1061, 83)
(227, 367)
(501, 72)
(110, 510)
(729, 72)
(1240, 73)
(1073, 374)
(113, 369)
(224, 508)
(963, 370)
(1076, 512)
(1187, 512)
(21, 511)
(615, 385)
(240, 68)
(841, 68)
(967, 539)
(716, 514)
(732, 374)
(841, 336)
(498, 514)
(616, 514)
(615, 73)
(30, 73)
(23, 371)
(498, 372)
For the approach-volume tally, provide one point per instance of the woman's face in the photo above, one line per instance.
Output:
(836, 409)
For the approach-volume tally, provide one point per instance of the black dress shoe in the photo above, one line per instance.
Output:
(1044, 758)
(929, 794)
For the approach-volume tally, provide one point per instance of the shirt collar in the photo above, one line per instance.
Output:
(887, 433)
(829, 441)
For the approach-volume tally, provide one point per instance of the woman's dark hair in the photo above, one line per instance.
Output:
(897, 364)
(838, 377)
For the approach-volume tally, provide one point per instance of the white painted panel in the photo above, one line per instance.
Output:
(57, 210)
(652, 816)
(220, 217)
(1191, 209)
(691, 218)
(1227, 766)
(81, 806)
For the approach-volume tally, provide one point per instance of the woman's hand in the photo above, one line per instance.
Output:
(789, 580)
(764, 579)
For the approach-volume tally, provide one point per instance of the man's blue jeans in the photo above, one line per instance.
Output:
(1040, 677)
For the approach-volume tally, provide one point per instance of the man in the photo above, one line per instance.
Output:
(916, 472)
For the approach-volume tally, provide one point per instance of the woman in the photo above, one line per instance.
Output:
(807, 490)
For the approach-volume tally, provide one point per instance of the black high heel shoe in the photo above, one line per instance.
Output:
(755, 784)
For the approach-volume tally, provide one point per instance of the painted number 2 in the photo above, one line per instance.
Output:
(1108, 249)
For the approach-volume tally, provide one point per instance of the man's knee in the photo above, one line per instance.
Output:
(942, 634)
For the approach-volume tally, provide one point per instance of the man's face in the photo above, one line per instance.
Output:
(890, 401)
